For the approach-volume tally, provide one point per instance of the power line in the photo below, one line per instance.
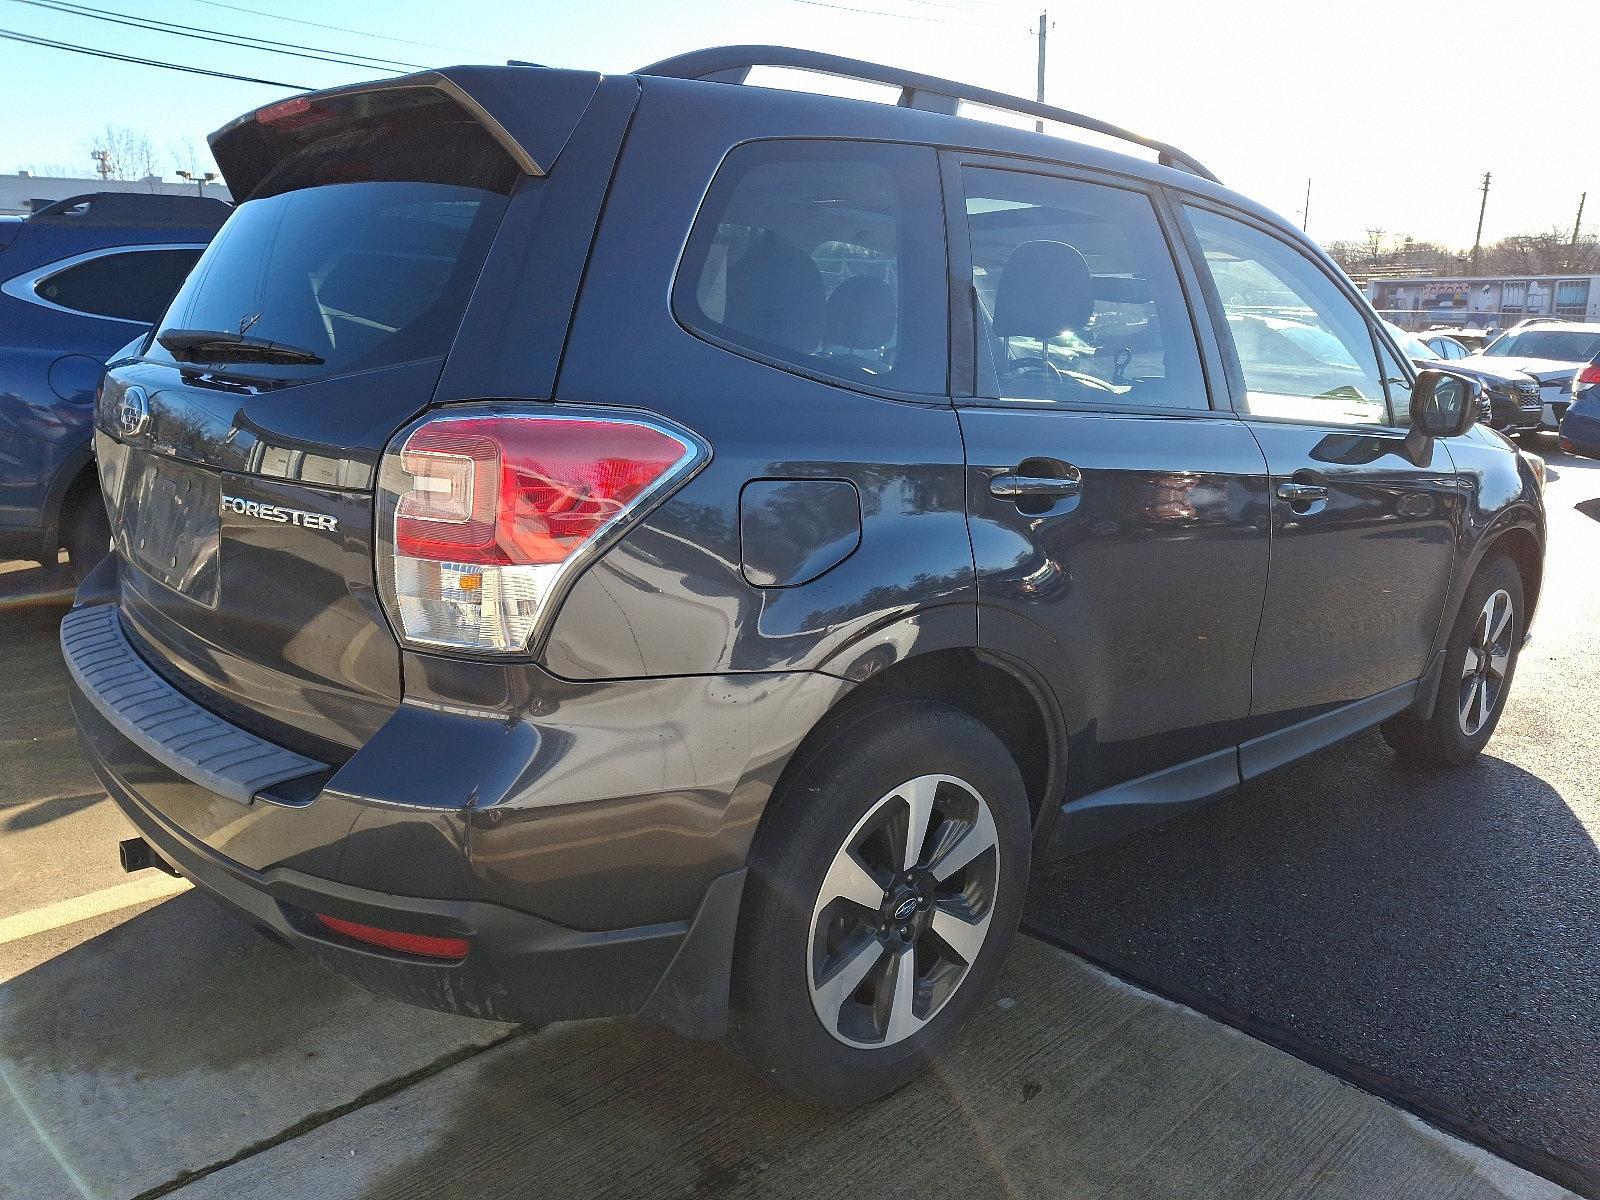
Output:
(979, 6)
(31, 40)
(256, 12)
(243, 41)
(878, 12)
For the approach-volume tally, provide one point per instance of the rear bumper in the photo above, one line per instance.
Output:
(529, 840)
(1580, 431)
(518, 966)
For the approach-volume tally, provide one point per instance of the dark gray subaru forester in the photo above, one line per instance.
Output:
(660, 545)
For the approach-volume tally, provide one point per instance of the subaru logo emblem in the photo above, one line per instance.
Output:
(133, 412)
(903, 910)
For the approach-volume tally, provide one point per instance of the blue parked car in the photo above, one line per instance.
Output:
(1580, 428)
(79, 280)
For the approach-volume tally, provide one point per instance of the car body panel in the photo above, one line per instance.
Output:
(51, 356)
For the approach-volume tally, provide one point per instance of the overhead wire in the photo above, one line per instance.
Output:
(256, 12)
(242, 41)
(878, 12)
(50, 43)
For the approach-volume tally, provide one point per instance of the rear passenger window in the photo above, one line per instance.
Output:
(132, 286)
(827, 256)
(1078, 294)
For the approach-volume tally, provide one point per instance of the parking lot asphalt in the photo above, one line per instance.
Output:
(1427, 937)
(1431, 936)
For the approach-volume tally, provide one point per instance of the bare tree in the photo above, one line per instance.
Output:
(1374, 246)
(1550, 253)
(122, 153)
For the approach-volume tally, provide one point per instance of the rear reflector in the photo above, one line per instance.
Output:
(393, 939)
(486, 514)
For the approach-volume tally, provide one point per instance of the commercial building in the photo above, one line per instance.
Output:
(1497, 301)
(21, 193)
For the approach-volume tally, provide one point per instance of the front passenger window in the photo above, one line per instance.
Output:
(1304, 347)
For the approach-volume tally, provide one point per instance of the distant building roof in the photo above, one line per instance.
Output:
(1475, 280)
(19, 192)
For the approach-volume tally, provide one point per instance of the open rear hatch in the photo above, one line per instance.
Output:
(239, 450)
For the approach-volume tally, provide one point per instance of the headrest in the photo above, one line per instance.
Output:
(861, 314)
(775, 293)
(1045, 289)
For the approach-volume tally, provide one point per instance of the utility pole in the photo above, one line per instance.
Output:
(1477, 238)
(1577, 227)
(1038, 126)
(1305, 213)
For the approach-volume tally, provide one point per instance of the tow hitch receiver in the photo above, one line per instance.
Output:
(136, 855)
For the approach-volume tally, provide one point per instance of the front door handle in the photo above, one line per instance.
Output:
(1302, 493)
(1016, 487)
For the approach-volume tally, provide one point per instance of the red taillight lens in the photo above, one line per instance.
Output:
(503, 491)
(423, 944)
(490, 509)
(1590, 374)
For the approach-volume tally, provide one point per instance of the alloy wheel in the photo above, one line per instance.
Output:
(903, 911)
(1488, 658)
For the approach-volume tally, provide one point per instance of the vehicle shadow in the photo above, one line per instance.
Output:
(1429, 935)
(44, 776)
(176, 1039)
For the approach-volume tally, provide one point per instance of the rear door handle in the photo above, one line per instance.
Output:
(1302, 493)
(1013, 487)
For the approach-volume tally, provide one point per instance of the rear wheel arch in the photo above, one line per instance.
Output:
(1001, 693)
(76, 480)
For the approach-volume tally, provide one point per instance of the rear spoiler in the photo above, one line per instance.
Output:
(530, 111)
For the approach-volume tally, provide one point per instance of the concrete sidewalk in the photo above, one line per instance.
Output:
(1070, 1084)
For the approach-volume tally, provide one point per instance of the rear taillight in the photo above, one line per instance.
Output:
(486, 515)
(1590, 374)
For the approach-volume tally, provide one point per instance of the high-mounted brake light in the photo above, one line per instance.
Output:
(487, 514)
(292, 114)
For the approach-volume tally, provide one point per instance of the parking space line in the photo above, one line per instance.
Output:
(95, 904)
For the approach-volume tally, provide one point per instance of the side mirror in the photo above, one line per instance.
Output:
(1444, 404)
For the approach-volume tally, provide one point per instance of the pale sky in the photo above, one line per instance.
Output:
(1394, 108)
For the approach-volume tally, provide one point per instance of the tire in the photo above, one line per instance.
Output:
(87, 536)
(852, 798)
(1471, 694)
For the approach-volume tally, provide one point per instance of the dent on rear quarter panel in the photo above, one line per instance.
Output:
(671, 597)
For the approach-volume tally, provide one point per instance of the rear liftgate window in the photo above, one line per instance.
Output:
(359, 247)
(826, 256)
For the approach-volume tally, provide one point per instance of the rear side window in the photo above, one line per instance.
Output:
(131, 286)
(826, 256)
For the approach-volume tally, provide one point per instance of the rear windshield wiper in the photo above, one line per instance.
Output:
(218, 345)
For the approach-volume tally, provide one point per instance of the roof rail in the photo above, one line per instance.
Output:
(134, 207)
(732, 64)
